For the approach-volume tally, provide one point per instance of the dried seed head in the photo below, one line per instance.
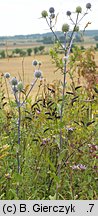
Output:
(38, 73)
(51, 10)
(44, 14)
(65, 28)
(68, 13)
(35, 63)
(7, 75)
(20, 86)
(14, 81)
(78, 9)
(88, 5)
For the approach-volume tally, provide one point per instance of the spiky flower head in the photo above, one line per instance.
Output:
(38, 73)
(35, 63)
(14, 81)
(78, 9)
(7, 75)
(51, 10)
(52, 16)
(44, 14)
(65, 27)
(76, 29)
(20, 86)
(68, 13)
(88, 5)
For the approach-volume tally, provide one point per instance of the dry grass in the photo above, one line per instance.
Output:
(16, 66)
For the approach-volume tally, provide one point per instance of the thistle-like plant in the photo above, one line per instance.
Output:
(17, 88)
(66, 47)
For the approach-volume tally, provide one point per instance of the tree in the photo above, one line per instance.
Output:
(41, 48)
(2, 54)
(19, 52)
(29, 51)
(36, 49)
(22, 53)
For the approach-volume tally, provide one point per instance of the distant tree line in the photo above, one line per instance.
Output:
(20, 52)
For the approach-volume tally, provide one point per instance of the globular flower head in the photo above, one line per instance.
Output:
(20, 86)
(14, 81)
(68, 13)
(78, 9)
(44, 14)
(88, 5)
(51, 10)
(39, 63)
(7, 75)
(35, 63)
(38, 73)
(65, 27)
(14, 88)
(76, 29)
(52, 16)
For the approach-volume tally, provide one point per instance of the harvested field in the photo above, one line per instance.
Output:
(20, 67)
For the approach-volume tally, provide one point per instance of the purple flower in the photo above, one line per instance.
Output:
(38, 73)
(35, 62)
(14, 81)
(68, 13)
(79, 167)
(93, 147)
(7, 75)
(51, 10)
(82, 167)
(45, 141)
(70, 129)
(38, 111)
(88, 5)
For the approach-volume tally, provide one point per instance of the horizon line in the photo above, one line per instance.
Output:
(40, 33)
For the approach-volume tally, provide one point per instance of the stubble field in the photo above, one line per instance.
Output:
(21, 67)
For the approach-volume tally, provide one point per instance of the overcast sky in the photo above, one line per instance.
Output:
(23, 16)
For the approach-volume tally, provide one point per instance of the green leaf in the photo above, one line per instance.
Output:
(52, 197)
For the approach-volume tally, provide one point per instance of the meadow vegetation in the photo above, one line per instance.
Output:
(49, 122)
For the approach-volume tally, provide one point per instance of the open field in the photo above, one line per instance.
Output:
(49, 148)
(19, 65)
(16, 66)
